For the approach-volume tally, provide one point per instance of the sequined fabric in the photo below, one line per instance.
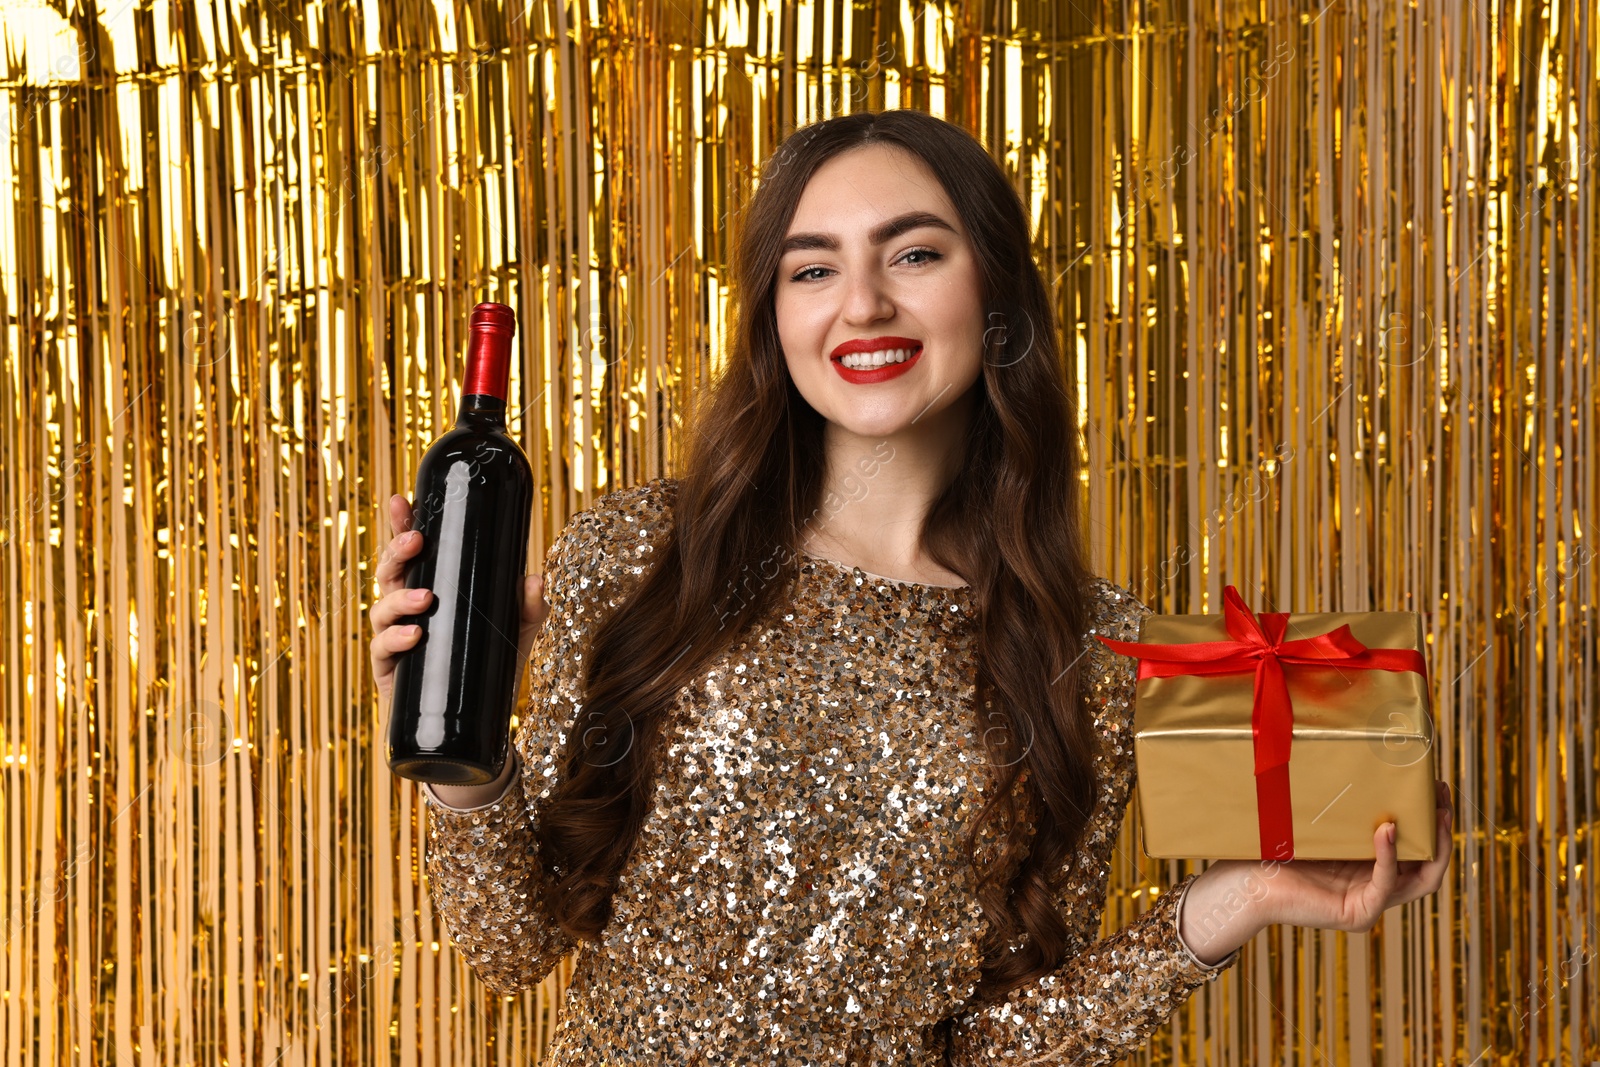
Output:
(799, 894)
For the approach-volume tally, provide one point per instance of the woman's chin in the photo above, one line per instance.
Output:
(915, 411)
(875, 425)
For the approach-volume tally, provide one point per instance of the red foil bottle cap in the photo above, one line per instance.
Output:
(489, 350)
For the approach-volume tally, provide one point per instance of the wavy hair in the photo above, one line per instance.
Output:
(1009, 521)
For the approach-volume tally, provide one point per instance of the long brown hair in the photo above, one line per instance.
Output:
(1009, 522)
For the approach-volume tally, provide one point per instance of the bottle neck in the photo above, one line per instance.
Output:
(482, 410)
(488, 361)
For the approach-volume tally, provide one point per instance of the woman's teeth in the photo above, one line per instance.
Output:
(869, 360)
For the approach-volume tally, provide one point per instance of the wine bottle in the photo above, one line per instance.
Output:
(453, 689)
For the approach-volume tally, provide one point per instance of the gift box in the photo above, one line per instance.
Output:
(1288, 735)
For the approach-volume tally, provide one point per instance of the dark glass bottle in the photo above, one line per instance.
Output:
(450, 713)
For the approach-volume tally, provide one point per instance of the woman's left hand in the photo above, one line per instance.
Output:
(1352, 894)
(1321, 894)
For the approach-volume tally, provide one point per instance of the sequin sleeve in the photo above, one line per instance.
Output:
(1111, 992)
(485, 874)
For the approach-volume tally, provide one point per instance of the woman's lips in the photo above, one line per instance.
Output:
(877, 374)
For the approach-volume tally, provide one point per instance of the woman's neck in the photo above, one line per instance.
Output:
(877, 490)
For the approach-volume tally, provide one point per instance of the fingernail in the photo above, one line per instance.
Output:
(418, 595)
(1391, 833)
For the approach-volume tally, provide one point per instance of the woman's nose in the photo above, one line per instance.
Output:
(865, 299)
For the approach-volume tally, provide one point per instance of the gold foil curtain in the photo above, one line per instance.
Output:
(1327, 272)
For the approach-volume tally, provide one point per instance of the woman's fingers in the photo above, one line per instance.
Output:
(390, 643)
(534, 608)
(397, 554)
(394, 560)
(400, 513)
(396, 604)
(394, 599)
(1385, 870)
(534, 612)
(1428, 875)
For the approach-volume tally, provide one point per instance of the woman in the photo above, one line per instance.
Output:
(822, 763)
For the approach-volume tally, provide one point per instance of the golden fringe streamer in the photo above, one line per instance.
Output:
(1327, 272)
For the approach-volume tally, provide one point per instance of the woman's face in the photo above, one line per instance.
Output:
(876, 253)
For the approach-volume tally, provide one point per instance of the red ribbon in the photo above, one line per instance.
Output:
(1258, 646)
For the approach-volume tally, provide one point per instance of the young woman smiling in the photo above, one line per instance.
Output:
(822, 763)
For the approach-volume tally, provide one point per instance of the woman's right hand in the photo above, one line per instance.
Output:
(395, 600)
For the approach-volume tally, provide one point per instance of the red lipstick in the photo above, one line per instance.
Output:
(876, 344)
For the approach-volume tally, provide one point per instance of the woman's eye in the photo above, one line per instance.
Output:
(809, 274)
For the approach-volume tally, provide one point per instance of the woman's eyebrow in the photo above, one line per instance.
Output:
(884, 231)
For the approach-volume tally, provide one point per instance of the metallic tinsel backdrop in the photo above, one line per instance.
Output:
(1328, 272)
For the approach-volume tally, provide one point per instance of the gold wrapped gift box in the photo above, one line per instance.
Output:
(1361, 752)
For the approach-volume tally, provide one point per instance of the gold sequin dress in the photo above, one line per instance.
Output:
(798, 895)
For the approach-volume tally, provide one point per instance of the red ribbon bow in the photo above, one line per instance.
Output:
(1258, 646)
